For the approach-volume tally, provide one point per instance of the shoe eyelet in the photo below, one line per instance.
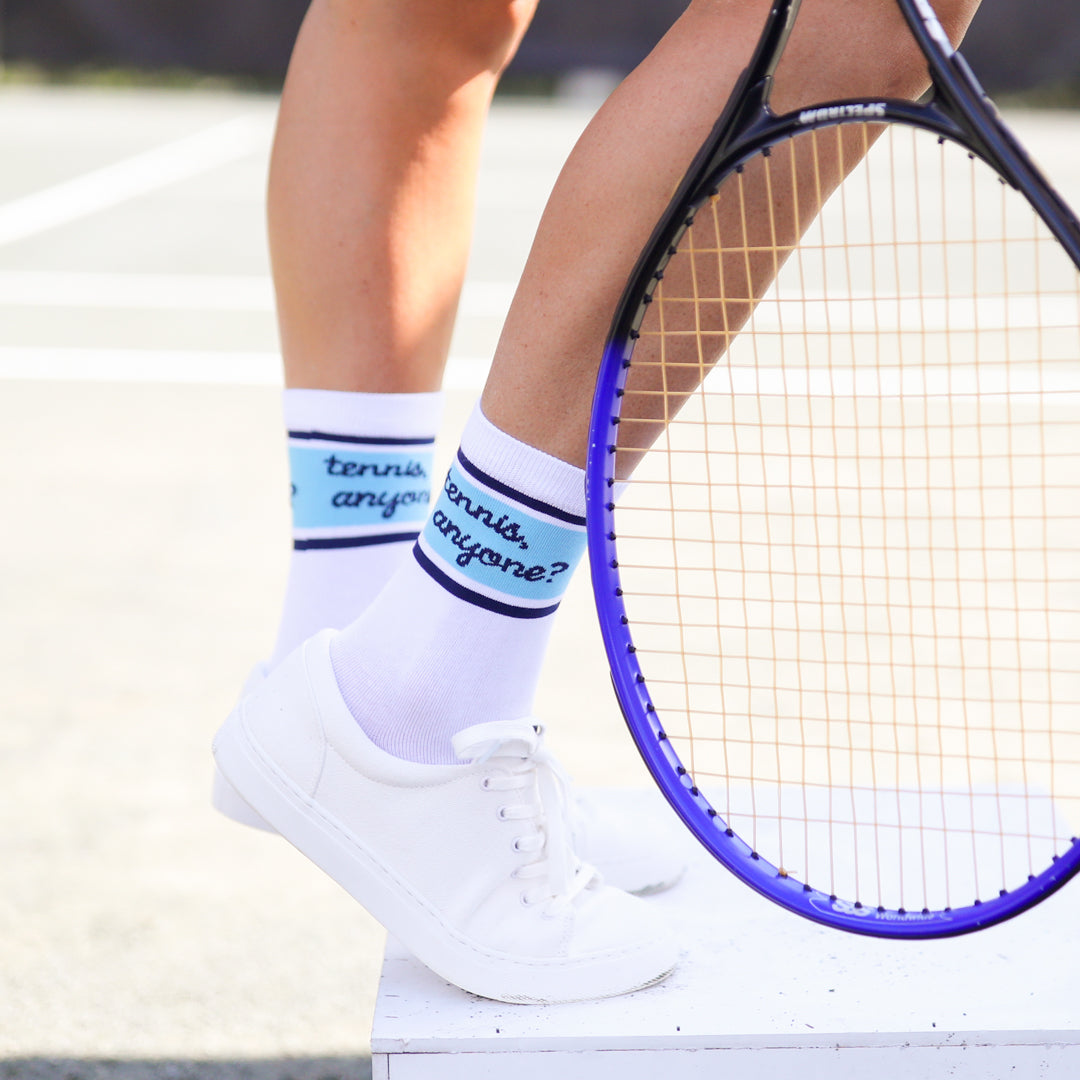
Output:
(517, 844)
(502, 813)
(525, 901)
(485, 784)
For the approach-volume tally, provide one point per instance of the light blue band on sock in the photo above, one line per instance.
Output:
(359, 487)
(499, 551)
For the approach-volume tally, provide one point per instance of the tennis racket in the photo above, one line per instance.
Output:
(834, 504)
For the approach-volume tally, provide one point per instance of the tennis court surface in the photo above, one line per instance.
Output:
(143, 478)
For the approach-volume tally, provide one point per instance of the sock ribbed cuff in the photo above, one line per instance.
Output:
(360, 466)
(345, 412)
(530, 471)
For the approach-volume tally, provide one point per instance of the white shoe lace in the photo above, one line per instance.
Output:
(516, 747)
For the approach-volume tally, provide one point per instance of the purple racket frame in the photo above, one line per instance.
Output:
(957, 110)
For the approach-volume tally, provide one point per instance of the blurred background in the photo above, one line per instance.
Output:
(1014, 45)
(143, 489)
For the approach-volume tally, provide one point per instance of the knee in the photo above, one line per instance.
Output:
(481, 35)
(956, 16)
(908, 65)
(487, 31)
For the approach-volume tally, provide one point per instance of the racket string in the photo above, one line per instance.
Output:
(861, 488)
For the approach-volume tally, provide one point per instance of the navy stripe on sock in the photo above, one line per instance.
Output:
(517, 496)
(323, 542)
(360, 440)
(478, 599)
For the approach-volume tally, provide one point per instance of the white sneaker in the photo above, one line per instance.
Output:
(635, 847)
(470, 866)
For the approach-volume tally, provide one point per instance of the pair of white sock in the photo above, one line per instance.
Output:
(446, 596)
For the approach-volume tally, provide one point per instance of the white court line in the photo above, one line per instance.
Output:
(201, 292)
(113, 184)
(864, 313)
(932, 380)
(181, 366)
(141, 365)
(134, 292)
(248, 368)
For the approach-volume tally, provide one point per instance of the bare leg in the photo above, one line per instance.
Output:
(370, 211)
(372, 184)
(625, 168)
(441, 667)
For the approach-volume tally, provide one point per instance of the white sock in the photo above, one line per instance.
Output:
(360, 466)
(458, 635)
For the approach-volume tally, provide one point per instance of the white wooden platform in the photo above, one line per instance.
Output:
(761, 993)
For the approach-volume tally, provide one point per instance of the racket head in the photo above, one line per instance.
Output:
(727, 834)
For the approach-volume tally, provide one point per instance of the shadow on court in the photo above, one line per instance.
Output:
(290, 1068)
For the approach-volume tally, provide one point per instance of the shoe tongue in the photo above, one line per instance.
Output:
(483, 741)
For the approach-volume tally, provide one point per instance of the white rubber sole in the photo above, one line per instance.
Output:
(228, 801)
(276, 801)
